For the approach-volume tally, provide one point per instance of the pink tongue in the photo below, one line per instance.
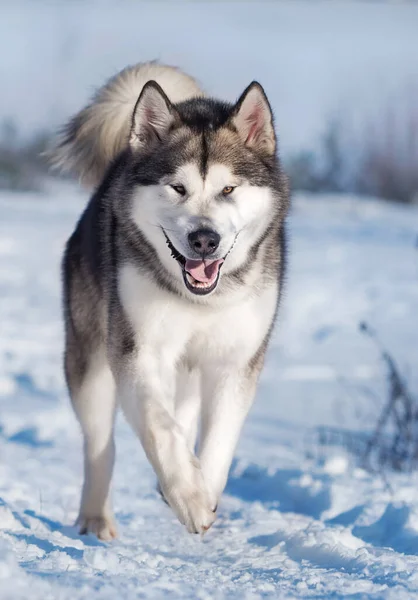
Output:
(204, 271)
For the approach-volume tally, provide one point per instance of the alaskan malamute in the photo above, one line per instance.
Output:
(172, 280)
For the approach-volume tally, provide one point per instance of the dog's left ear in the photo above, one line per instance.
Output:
(253, 119)
(153, 117)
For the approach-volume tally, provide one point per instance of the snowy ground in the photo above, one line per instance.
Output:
(295, 521)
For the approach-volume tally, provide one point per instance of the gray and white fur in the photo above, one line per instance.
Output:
(172, 280)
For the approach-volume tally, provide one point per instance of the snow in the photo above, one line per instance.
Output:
(297, 520)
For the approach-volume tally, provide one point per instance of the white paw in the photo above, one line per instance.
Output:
(103, 527)
(190, 501)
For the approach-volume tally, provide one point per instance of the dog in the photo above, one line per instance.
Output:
(172, 280)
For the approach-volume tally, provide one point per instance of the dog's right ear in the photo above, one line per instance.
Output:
(153, 117)
(253, 119)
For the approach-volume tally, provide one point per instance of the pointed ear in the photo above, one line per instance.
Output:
(152, 118)
(253, 119)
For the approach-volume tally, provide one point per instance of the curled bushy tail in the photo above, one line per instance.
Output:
(99, 132)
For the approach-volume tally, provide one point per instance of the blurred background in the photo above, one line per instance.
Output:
(324, 482)
(341, 76)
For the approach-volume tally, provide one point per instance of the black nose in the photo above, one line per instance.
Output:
(204, 241)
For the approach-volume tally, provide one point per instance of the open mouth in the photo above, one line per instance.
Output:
(200, 276)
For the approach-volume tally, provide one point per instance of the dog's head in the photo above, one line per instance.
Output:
(206, 182)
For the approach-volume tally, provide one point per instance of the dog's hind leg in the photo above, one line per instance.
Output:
(93, 399)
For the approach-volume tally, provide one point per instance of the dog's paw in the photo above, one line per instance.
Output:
(190, 501)
(103, 527)
(200, 516)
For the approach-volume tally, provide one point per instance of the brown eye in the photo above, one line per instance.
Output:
(227, 190)
(180, 189)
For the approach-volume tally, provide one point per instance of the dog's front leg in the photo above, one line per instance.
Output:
(228, 393)
(147, 394)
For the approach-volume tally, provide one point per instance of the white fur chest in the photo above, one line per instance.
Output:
(174, 327)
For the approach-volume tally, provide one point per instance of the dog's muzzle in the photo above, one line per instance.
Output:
(201, 275)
